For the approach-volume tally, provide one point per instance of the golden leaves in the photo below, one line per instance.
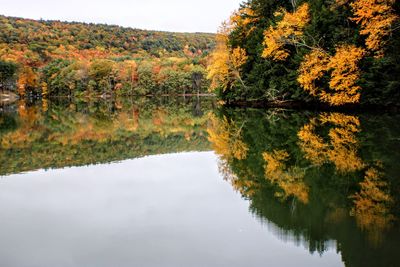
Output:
(225, 63)
(244, 18)
(342, 147)
(312, 69)
(238, 57)
(290, 180)
(27, 79)
(287, 31)
(375, 18)
(226, 139)
(218, 68)
(372, 204)
(343, 77)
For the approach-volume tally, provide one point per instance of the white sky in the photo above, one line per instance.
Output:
(166, 15)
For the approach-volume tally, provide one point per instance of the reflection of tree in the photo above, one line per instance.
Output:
(246, 187)
(343, 200)
(29, 128)
(72, 134)
(341, 150)
(371, 204)
(289, 179)
(226, 139)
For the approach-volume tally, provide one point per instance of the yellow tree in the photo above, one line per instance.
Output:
(342, 147)
(372, 204)
(245, 19)
(289, 179)
(218, 67)
(376, 18)
(226, 139)
(313, 68)
(288, 30)
(27, 78)
(344, 76)
(345, 73)
(225, 62)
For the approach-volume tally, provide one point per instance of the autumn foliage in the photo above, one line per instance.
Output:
(342, 52)
(288, 31)
(73, 59)
(344, 74)
(376, 18)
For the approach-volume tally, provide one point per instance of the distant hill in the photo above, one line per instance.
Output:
(44, 34)
(53, 58)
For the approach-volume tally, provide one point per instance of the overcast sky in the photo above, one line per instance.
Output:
(167, 15)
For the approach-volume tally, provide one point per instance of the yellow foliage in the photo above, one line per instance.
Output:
(376, 18)
(27, 79)
(313, 67)
(218, 67)
(225, 63)
(287, 31)
(312, 145)
(226, 139)
(244, 18)
(28, 132)
(342, 147)
(238, 57)
(371, 204)
(290, 180)
(344, 76)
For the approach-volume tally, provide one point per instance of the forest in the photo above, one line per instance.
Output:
(53, 58)
(327, 53)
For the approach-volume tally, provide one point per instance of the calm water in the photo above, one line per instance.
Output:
(179, 182)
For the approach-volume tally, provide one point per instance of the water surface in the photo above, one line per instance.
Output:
(179, 182)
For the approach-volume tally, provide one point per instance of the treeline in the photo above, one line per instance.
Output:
(53, 58)
(340, 52)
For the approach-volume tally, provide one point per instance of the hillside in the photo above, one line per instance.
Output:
(69, 58)
(45, 35)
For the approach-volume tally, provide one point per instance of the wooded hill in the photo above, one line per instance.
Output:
(69, 58)
(41, 36)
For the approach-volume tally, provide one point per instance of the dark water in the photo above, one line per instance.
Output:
(179, 182)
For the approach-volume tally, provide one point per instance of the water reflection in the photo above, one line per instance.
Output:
(316, 178)
(323, 181)
(63, 133)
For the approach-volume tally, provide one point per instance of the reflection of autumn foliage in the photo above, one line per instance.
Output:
(372, 203)
(341, 150)
(246, 187)
(72, 129)
(289, 179)
(28, 133)
(226, 139)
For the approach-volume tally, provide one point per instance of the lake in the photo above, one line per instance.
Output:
(183, 182)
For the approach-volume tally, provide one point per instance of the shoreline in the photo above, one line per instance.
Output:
(312, 106)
